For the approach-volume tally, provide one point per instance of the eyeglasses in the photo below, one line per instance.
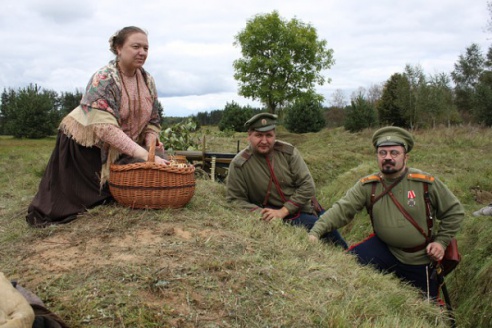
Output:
(393, 153)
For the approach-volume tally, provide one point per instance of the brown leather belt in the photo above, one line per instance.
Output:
(414, 249)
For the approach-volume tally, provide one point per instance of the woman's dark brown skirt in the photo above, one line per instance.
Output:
(70, 185)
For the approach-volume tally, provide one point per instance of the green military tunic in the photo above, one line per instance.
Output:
(389, 223)
(249, 179)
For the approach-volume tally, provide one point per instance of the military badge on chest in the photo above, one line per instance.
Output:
(411, 198)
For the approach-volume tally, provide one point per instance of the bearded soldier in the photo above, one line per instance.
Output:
(402, 203)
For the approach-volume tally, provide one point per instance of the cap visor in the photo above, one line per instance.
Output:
(390, 143)
(265, 128)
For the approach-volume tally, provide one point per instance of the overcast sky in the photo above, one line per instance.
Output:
(58, 44)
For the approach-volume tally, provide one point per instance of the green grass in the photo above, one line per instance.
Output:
(210, 265)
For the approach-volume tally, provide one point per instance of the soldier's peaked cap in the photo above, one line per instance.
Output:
(393, 136)
(262, 122)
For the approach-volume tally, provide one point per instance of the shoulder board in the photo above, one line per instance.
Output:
(284, 147)
(241, 158)
(421, 177)
(370, 178)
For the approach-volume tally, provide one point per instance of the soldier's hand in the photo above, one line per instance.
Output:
(268, 214)
(435, 251)
(313, 239)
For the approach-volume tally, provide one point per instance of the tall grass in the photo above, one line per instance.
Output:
(210, 265)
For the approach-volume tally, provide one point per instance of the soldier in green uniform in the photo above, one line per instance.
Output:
(398, 246)
(271, 178)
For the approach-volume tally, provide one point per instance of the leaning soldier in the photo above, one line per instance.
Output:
(271, 178)
(394, 197)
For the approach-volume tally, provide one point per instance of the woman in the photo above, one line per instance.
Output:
(118, 115)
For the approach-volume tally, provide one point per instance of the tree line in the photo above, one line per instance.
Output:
(413, 100)
(281, 64)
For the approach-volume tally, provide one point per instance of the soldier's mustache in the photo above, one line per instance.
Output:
(388, 161)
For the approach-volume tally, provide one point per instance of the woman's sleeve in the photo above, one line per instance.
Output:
(116, 138)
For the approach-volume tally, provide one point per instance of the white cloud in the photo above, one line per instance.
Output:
(59, 44)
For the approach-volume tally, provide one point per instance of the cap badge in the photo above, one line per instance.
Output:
(263, 122)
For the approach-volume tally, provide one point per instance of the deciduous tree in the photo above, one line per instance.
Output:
(281, 60)
(338, 99)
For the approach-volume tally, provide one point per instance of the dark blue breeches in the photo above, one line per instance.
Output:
(308, 220)
(375, 252)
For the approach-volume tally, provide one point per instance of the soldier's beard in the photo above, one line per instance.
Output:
(388, 167)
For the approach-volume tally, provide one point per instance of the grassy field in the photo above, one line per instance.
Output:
(209, 265)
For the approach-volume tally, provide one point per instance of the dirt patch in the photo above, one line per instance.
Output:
(60, 253)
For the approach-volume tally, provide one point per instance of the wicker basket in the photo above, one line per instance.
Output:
(181, 159)
(152, 185)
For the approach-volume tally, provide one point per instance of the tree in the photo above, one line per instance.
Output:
(234, 117)
(482, 103)
(305, 115)
(359, 92)
(361, 114)
(8, 97)
(482, 98)
(415, 103)
(374, 94)
(160, 109)
(209, 118)
(281, 60)
(489, 22)
(440, 103)
(68, 101)
(466, 75)
(31, 113)
(338, 99)
(395, 100)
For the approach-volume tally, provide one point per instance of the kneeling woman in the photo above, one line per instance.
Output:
(118, 114)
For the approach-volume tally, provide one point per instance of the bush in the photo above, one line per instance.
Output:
(360, 115)
(179, 136)
(234, 117)
(305, 115)
(30, 112)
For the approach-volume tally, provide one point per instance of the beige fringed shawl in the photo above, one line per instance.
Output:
(101, 105)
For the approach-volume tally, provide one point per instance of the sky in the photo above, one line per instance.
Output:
(59, 44)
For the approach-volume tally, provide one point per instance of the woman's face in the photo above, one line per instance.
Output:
(133, 53)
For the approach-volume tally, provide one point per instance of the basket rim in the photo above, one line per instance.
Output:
(189, 168)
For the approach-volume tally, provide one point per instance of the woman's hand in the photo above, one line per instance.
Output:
(159, 160)
(159, 146)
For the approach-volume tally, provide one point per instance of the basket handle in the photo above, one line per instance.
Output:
(151, 156)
